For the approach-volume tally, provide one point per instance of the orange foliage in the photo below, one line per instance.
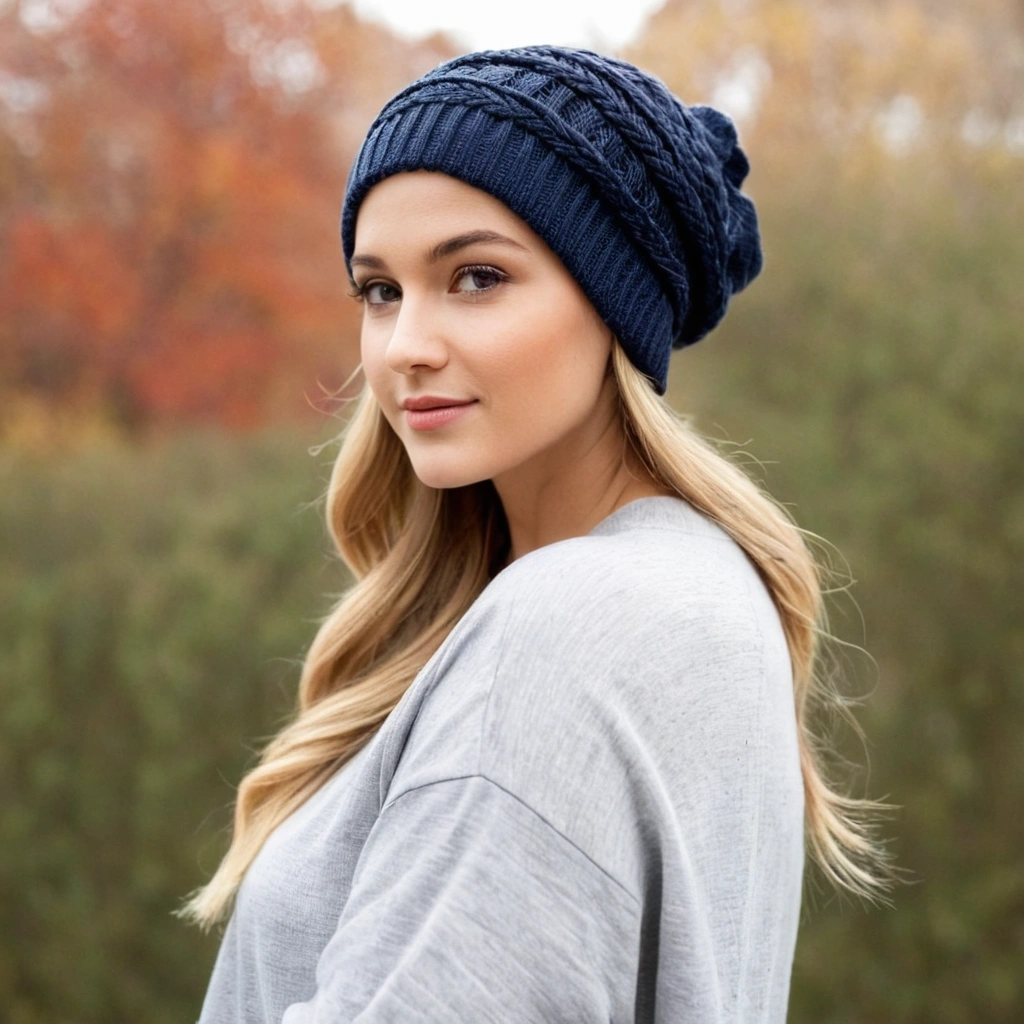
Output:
(171, 177)
(852, 85)
(171, 171)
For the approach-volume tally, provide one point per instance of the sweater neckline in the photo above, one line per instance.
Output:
(658, 510)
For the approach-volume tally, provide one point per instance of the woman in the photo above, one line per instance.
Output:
(552, 758)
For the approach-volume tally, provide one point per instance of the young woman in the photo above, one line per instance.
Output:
(552, 759)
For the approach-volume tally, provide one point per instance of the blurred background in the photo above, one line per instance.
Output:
(173, 324)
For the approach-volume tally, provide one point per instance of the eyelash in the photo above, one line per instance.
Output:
(359, 292)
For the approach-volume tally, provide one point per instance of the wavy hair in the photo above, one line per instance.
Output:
(418, 569)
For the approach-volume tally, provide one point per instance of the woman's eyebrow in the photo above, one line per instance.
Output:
(445, 248)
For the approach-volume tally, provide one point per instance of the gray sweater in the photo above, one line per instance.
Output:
(586, 808)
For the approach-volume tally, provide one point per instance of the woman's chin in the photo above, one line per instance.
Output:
(446, 477)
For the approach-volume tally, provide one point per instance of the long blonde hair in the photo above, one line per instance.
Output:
(418, 569)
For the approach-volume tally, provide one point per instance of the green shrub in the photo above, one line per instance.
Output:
(154, 607)
(878, 365)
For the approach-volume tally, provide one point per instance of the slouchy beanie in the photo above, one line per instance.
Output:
(637, 193)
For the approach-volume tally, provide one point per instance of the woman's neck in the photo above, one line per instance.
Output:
(566, 492)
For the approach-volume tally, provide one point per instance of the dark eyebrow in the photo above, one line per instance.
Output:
(445, 248)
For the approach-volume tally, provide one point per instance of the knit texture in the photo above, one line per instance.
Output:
(636, 192)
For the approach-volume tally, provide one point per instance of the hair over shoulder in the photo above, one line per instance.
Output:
(418, 568)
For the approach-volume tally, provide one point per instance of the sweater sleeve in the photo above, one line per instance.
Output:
(467, 906)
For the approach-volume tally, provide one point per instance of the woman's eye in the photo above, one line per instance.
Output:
(469, 281)
(379, 292)
(478, 279)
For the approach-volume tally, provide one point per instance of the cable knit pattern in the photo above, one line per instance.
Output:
(637, 193)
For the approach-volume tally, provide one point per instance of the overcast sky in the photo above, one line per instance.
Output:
(604, 24)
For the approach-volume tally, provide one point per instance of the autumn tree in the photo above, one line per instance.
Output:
(171, 177)
(851, 84)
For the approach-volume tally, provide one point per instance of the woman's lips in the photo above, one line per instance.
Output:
(439, 416)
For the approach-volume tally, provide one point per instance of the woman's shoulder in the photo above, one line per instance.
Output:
(656, 615)
(646, 653)
(654, 609)
(651, 563)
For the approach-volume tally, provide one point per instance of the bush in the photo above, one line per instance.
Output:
(154, 605)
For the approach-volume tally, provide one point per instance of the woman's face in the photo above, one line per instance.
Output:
(486, 357)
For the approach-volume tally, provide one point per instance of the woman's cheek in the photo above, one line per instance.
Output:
(374, 368)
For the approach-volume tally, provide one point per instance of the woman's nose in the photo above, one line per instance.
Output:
(416, 341)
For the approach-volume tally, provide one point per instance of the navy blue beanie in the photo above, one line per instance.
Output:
(637, 193)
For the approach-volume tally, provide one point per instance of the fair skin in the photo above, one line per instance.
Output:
(493, 331)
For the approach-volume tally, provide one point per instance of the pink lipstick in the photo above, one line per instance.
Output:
(428, 412)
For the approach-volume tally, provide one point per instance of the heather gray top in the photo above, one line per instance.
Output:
(586, 808)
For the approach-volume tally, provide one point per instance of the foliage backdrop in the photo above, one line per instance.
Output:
(171, 294)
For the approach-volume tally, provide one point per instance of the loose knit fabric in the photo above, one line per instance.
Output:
(587, 807)
(636, 192)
